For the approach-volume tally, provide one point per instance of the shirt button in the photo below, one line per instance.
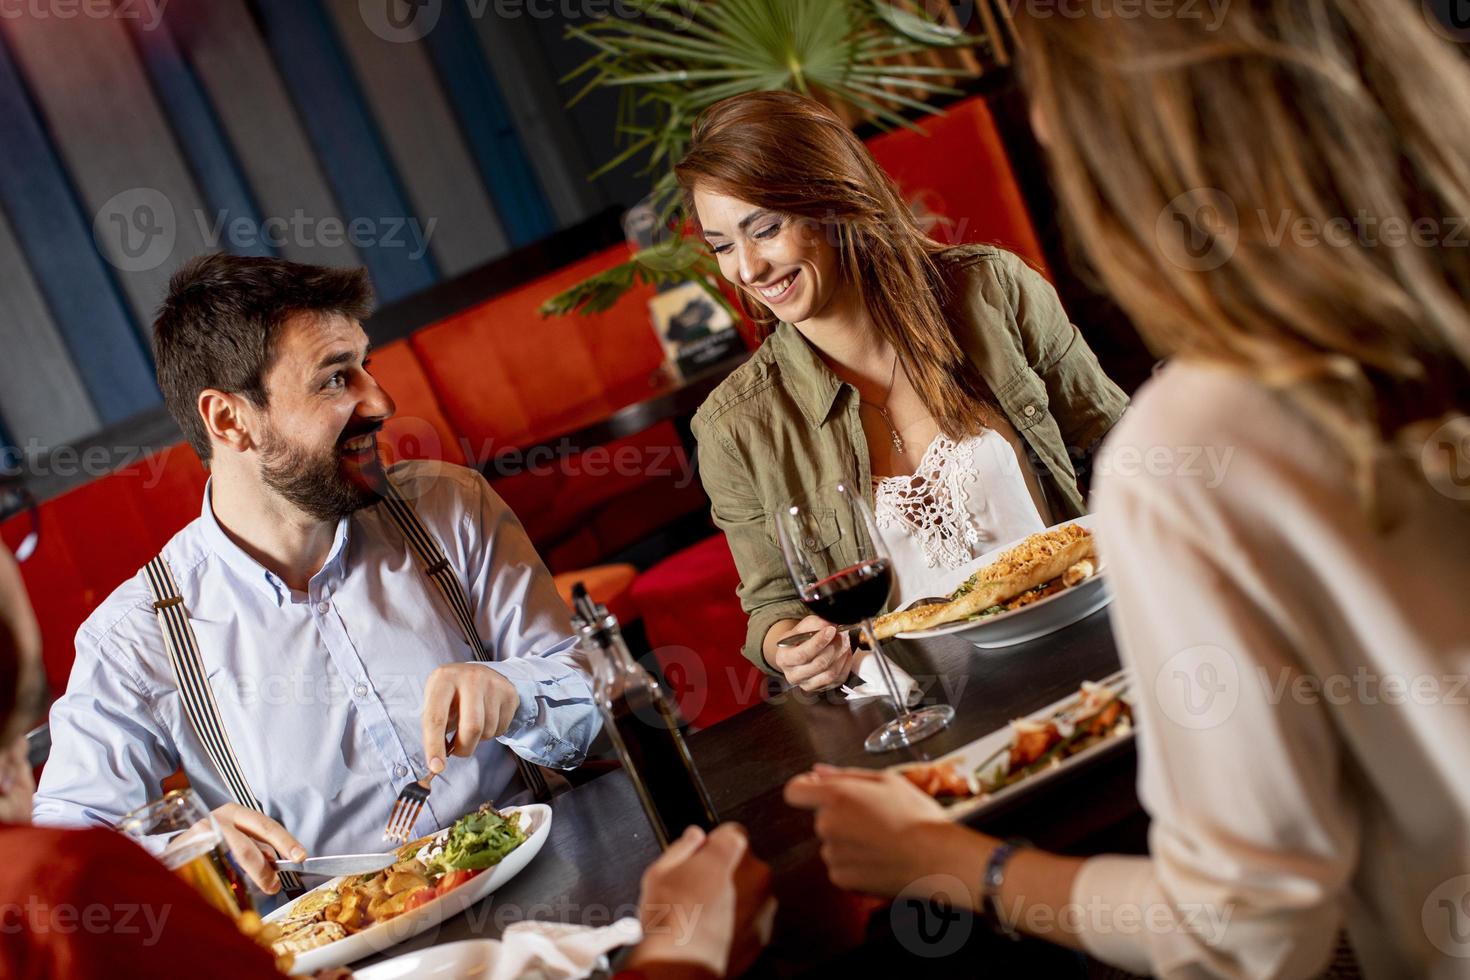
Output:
(1029, 411)
(400, 770)
(323, 607)
(360, 690)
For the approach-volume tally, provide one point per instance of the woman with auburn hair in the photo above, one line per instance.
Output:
(1274, 200)
(948, 379)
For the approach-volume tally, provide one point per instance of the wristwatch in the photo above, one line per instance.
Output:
(992, 880)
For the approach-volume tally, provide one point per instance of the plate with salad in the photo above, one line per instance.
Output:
(435, 878)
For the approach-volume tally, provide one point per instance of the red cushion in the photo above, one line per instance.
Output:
(506, 376)
(696, 628)
(610, 585)
(960, 170)
(418, 428)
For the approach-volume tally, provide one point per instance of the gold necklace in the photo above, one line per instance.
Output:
(883, 408)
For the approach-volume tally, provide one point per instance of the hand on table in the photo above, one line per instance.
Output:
(257, 842)
(705, 904)
(879, 832)
(473, 700)
(822, 662)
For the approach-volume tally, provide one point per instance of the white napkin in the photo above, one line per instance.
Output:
(557, 950)
(865, 665)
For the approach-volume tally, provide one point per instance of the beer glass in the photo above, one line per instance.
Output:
(181, 833)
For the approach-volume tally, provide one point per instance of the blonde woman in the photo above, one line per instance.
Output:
(1272, 201)
(949, 380)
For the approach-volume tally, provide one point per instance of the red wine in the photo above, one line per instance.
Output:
(647, 737)
(853, 594)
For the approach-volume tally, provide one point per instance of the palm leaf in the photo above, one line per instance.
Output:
(673, 58)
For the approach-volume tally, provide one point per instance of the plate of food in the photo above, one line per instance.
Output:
(1029, 751)
(437, 877)
(1019, 592)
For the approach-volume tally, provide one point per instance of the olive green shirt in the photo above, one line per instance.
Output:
(782, 424)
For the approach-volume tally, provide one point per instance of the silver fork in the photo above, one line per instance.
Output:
(410, 804)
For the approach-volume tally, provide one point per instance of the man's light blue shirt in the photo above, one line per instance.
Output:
(321, 691)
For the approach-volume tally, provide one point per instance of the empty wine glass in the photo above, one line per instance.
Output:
(842, 572)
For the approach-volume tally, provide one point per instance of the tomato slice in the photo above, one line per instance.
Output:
(452, 880)
(421, 896)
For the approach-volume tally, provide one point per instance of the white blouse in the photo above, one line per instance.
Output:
(1301, 689)
(963, 500)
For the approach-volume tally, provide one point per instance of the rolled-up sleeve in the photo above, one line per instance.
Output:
(524, 620)
(765, 591)
(1254, 836)
(109, 753)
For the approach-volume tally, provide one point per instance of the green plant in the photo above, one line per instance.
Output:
(674, 58)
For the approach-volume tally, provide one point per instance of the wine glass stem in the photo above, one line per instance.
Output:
(900, 703)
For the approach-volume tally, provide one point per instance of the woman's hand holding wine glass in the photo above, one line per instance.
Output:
(816, 664)
(841, 571)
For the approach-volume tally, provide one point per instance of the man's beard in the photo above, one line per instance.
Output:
(318, 482)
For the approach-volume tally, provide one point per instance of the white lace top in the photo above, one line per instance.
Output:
(963, 500)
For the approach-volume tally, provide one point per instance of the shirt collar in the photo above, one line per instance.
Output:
(246, 566)
(812, 383)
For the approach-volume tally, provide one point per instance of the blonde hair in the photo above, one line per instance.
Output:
(1190, 158)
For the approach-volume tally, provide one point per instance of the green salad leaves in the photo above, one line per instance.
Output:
(477, 841)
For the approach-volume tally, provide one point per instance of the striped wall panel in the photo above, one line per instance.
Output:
(310, 60)
(80, 293)
(117, 148)
(228, 56)
(487, 125)
(41, 394)
(425, 143)
(513, 50)
(204, 144)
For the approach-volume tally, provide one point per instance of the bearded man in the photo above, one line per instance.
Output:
(325, 631)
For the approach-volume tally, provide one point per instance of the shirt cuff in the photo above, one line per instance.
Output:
(1117, 883)
(538, 738)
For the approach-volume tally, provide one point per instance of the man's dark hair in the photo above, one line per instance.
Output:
(218, 326)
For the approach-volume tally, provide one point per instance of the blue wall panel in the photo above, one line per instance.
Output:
(199, 134)
(82, 296)
(311, 61)
(488, 126)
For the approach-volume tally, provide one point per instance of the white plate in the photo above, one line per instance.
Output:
(1056, 611)
(464, 960)
(536, 817)
(969, 757)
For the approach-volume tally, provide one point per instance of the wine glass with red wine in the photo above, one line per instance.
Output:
(843, 574)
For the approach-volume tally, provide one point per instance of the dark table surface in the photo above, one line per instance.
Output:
(600, 841)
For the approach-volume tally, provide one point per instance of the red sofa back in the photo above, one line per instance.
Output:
(958, 169)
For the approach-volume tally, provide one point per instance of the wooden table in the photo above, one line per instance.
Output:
(600, 841)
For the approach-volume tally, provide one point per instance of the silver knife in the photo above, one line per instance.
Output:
(340, 864)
